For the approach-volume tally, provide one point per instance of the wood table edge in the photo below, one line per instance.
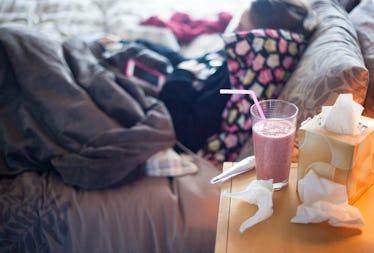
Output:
(223, 213)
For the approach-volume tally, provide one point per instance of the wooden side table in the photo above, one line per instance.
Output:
(278, 234)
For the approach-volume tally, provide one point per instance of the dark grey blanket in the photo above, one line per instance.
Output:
(61, 110)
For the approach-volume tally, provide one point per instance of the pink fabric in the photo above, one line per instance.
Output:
(186, 28)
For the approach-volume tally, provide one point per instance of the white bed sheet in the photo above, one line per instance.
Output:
(64, 19)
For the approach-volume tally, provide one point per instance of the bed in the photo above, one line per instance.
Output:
(52, 206)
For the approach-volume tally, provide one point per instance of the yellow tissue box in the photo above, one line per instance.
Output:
(342, 158)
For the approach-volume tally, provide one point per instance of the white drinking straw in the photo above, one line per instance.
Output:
(248, 92)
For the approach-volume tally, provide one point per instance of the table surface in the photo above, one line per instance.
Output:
(278, 234)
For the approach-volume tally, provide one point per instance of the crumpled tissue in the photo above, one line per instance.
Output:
(260, 193)
(325, 200)
(343, 117)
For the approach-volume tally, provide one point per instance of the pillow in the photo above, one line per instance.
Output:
(363, 20)
(260, 60)
(331, 64)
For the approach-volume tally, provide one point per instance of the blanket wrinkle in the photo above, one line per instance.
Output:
(100, 84)
(65, 110)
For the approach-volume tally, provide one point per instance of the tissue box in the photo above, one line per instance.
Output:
(345, 159)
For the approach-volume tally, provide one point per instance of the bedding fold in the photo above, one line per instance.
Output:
(61, 110)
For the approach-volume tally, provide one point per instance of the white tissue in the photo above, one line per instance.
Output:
(325, 200)
(260, 193)
(343, 117)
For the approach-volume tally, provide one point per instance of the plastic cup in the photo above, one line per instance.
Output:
(273, 140)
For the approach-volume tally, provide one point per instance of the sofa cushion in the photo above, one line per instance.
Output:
(331, 64)
(363, 20)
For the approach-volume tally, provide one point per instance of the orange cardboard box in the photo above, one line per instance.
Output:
(342, 158)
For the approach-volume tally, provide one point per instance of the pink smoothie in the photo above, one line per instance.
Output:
(273, 143)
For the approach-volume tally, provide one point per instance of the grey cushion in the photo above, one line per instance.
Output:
(363, 20)
(332, 63)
